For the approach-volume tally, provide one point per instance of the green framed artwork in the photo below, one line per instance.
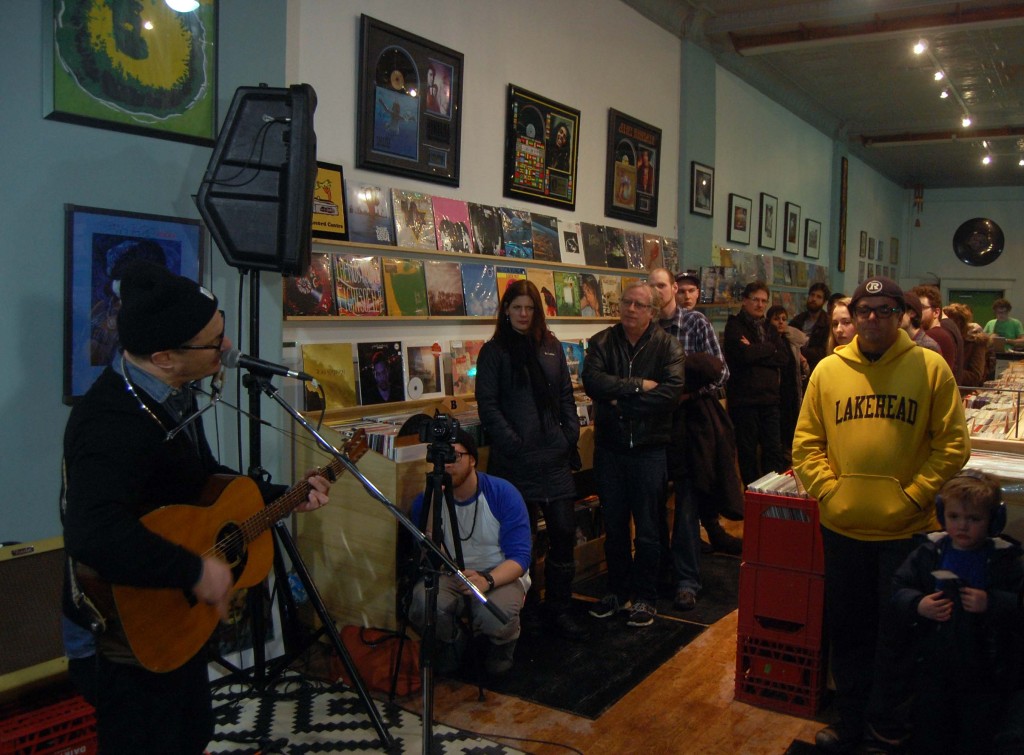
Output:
(134, 66)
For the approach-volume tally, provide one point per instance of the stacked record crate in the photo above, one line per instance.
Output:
(780, 654)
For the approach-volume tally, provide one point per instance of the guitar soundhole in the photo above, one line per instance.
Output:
(231, 544)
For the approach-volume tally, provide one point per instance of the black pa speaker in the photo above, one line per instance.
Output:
(257, 194)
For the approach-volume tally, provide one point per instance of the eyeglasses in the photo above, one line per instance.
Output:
(459, 455)
(627, 303)
(757, 300)
(215, 346)
(883, 312)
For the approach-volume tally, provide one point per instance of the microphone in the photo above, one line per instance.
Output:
(235, 358)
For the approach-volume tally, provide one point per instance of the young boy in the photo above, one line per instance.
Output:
(959, 591)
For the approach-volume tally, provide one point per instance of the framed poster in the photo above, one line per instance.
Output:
(791, 243)
(812, 239)
(739, 219)
(329, 216)
(541, 149)
(894, 251)
(141, 68)
(863, 243)
(702, 189)
(769, 222)
(633, 170)
(98, 245)
(409, 114)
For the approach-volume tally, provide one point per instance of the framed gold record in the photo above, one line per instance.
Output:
(410, 105)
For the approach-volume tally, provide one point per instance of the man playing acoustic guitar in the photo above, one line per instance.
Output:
(132, 450)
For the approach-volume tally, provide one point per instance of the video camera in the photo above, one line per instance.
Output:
(439, 433)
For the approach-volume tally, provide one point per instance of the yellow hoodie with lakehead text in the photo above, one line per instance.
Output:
(875, 441)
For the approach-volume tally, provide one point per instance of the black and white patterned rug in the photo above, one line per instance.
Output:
(303, 716)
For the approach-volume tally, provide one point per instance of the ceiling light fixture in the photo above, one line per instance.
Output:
(986, 160)
(939, 75)
(966, 121)
(944, 94)
(920, 47)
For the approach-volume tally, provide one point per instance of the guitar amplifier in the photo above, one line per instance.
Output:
(31, 649)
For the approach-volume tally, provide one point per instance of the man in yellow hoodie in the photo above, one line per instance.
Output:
(881, 428)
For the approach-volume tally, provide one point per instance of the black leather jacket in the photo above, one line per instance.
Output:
(625, 415)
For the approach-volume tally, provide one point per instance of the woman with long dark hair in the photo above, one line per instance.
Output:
(526, 406)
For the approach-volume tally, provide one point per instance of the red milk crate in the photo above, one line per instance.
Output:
(782, 531)
(67, 727)
(780, 677)
(781, 605)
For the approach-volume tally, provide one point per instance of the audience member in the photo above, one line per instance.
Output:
(814, 324)
(525, 400)
(966, 623)
(975, 347)
(945, 333)
(495, 552)
(880, 429)
(912, 323)
(634, 373)
(1005, 326)
(842, 327)
(717, 487)
(755, 353)
(792, 376)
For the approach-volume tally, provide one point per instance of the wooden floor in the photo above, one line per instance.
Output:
(686, 706)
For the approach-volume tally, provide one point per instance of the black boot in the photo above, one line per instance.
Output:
(721, 541)
(560, 620)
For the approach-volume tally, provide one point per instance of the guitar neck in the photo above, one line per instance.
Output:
(258, 523)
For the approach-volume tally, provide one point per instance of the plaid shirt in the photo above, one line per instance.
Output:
(697, 336)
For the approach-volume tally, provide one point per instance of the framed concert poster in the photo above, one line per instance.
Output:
(541, 149)
(791, 242)
(409, 114)
(702, 189)
(812, 239)
(329, 206)
(769, 222)
(141, 68)
(98, 245)
(634, 167)
(739, 218)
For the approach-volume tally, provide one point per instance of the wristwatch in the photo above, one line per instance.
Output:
(490, 580)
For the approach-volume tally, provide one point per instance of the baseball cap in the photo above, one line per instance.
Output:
(878, 285)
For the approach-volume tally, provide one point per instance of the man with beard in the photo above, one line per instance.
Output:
(813, 321)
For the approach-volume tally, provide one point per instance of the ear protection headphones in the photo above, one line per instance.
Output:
(997, 520)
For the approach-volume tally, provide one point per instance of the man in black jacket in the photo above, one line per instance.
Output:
(814, 322)
(132, 445)
(634, 373)
(755, 352)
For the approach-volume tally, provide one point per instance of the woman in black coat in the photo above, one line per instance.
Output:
(526, 406)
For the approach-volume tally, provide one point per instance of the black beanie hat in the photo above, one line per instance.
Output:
(160, 310)
(468, 443)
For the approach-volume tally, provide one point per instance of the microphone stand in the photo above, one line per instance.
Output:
(424, 542)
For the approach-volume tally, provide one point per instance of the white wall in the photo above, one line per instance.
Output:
(879, 207)
(931, 245)
(762, 147)
(588, 54)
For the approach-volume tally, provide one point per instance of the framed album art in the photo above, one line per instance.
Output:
(98, 245)
(791, 243)
(812, 239)
(702, 189)
(634, 167)
(863, 243)
(156, 80)
(769, 222)
(541, 149)
(739, 219)
(409, 114)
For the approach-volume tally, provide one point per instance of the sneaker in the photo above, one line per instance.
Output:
(642, 615)
(686, 600)
(499, 658)
(607, 607)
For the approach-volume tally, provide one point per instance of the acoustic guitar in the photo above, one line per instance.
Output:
(165, 628)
